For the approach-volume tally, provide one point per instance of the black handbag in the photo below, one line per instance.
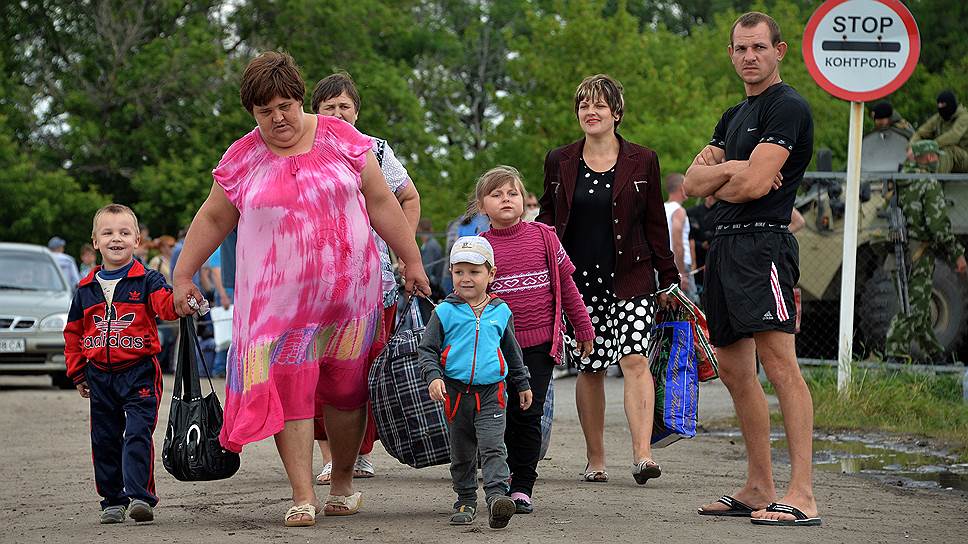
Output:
(192, 451)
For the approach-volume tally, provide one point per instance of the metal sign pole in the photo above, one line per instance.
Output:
(849, 267)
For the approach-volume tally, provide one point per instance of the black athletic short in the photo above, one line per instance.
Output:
(751, 270)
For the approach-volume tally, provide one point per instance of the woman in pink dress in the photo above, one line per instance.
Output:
(303, 191)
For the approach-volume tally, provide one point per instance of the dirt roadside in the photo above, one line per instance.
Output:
(47, 491)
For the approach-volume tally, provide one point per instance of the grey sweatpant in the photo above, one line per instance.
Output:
(472, 430)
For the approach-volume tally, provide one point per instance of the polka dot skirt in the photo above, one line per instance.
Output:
(622, 327)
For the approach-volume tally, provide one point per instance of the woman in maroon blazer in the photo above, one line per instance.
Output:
(603, 196)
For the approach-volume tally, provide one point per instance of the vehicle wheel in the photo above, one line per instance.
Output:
(878, 305)
(61, 381)
(948, 312)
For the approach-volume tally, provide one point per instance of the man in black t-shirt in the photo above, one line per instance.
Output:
(753, 166)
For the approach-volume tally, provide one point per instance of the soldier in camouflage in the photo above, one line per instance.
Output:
(949, 129)
(930, 236)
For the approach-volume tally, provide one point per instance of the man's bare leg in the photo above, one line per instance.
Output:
(778, 355)
(737, 369)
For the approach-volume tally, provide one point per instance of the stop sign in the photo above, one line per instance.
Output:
(861, 50)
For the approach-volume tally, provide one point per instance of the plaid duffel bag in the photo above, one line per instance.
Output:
(411, 426)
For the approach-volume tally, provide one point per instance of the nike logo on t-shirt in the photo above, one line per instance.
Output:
(751, 129)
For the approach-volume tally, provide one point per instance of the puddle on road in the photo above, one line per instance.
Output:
(899, 464)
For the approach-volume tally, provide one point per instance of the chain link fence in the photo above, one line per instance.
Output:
(821, 202)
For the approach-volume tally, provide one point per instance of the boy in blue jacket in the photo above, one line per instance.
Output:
(467, 351)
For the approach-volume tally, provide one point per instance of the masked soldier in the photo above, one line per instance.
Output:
(929, 236)
(949, 129)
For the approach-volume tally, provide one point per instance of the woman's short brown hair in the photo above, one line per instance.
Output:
(332, 86)
(602, 86)
(272, 74)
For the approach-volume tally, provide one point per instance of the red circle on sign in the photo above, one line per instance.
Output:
(909, 64)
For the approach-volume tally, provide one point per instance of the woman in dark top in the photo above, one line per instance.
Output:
(603, 196)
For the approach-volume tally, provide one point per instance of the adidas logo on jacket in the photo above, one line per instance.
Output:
(114, 338)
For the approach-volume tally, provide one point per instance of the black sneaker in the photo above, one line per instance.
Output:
(522, 506)
(463, 515)
(500, 511)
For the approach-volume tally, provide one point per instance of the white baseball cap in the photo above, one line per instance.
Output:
(472, 249)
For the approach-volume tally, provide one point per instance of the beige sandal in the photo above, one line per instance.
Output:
(307, 509)
(347, 504)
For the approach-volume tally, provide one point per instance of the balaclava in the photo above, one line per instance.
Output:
(950, 105)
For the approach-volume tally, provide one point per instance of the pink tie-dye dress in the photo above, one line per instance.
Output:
(307, 292)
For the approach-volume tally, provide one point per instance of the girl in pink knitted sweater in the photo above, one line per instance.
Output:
(533, 275)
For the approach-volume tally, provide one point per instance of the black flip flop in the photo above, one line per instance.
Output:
(802, 520)
(737, 509)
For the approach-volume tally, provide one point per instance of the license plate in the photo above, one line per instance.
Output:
(12, 345)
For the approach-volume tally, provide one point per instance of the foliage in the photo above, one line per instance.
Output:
(138, 100)
(41, 203)
(906, 402)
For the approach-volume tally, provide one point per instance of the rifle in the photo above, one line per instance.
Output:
(897, 225)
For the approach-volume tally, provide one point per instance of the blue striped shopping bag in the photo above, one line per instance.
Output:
(674, 366)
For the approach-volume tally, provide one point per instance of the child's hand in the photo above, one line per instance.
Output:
(437, 390)
(83, 390)
(586, 348)
(525, 398)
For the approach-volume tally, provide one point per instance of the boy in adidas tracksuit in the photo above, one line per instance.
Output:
(111, 340)
(467, 351)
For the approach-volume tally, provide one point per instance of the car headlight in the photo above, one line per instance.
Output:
(54, 322)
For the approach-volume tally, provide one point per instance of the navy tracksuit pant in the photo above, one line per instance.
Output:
(124, 412)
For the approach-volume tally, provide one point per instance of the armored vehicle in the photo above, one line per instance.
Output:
(876, 301)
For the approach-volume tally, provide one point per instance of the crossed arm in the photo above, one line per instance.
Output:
(736, 181)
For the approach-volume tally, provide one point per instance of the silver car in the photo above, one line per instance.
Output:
(34, 301)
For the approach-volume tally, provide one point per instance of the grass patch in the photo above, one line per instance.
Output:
(893, 401)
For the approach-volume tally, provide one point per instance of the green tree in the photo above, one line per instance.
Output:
(378, 44)
(37, 203)
(124, 84)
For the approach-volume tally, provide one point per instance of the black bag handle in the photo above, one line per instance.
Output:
(407, 307)
(186, 370)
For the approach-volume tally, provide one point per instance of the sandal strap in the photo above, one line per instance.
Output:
(342, 500)
(308, 509)
(337, 500)
(781, 508)
(734, 503)
(363, 465)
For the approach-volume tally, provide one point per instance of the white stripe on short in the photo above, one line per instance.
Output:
(781, 310)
